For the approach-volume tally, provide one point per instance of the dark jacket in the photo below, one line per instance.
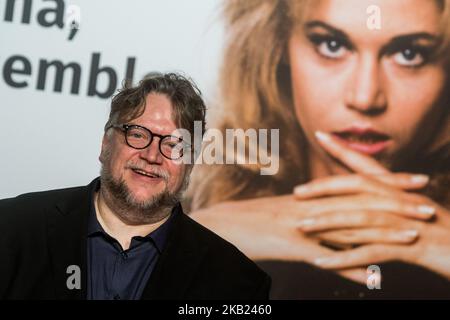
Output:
(43, 233)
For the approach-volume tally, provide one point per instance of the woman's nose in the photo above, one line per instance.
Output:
(365, 92)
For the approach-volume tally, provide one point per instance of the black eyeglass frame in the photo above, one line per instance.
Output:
(125, 127)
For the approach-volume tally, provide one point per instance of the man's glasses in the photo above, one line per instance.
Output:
(139, 137)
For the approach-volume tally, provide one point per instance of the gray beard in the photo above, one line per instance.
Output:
(121, 201)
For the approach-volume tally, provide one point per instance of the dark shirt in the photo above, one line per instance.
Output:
(114, 273)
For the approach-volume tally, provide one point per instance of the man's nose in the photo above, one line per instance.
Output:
(152, 154)
(365, 92)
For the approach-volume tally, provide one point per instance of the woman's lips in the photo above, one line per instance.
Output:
(367, 141)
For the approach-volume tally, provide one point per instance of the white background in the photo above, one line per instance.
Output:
(52, 140)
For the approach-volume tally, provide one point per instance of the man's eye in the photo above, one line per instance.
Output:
(136, 135)
(409, 58)
(174, 145)
(170, 145)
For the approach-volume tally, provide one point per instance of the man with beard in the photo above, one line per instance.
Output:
(125, 236)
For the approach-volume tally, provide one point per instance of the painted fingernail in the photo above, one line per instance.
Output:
(324, 261)
(322, 136)
(428, 210)
(410, 233)
(301, 189)
(306, 223)
(420, 178)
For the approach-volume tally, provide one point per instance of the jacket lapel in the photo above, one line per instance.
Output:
(67, 240)
(178, 263)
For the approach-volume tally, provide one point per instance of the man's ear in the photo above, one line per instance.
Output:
(105, 146)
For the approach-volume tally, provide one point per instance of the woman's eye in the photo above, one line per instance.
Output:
(329, 47)
(409, 58)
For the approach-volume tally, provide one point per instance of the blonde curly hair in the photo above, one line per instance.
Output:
(255, 92)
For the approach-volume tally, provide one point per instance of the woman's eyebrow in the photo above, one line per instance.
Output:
(410, 39)
(335, 31)
(393, 45)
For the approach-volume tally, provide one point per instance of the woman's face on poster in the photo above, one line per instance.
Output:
(379, 90)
